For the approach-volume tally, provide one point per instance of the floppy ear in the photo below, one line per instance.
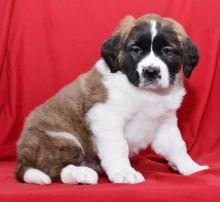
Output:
(190, 57)
(109, 52)
(110, 48)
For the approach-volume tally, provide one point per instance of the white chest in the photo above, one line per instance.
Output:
(142, 111)
(140, 130)
(142, 126)
(136, 112)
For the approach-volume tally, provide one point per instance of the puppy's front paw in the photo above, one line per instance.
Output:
(128, 175)
(188, 169)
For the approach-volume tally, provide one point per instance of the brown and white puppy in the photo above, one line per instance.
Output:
(127, 102)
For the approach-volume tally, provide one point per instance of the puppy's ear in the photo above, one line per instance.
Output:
(109, 52)
(111, 48)
(190, 57)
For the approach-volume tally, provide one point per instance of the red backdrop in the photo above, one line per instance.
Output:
(45, 44)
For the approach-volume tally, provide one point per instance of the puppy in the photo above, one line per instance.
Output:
(125, 103)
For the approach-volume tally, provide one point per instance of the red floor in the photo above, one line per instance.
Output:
(161, 184)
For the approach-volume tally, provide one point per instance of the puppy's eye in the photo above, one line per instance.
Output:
(167, 50)
(137, 50)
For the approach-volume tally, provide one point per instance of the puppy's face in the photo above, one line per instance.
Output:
(150, 51)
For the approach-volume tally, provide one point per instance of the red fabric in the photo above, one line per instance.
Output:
(45, 44)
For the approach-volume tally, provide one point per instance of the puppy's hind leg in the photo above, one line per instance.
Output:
(42, 155)
(73, 173)
(27, 158)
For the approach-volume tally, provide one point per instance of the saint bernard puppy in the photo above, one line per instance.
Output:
(125, 103)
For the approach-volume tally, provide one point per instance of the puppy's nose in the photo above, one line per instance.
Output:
(151, 72)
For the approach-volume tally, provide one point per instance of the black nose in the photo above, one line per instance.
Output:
(151, 72)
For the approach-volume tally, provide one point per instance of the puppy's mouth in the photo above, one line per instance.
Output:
(149, 83)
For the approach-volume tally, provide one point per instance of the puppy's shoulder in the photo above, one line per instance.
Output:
(74, 99)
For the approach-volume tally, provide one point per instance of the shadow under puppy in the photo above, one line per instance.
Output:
(125, 103)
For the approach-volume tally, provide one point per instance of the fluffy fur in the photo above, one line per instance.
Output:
(127, 102)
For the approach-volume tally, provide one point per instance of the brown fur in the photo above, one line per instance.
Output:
(126, 25)
(65, 112)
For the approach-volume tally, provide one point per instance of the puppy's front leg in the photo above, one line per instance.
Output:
(169, 143)
(113, 151)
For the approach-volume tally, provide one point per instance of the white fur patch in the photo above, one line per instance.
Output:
(64, 135)
(35, 176)
(153, 30)
(78, 175)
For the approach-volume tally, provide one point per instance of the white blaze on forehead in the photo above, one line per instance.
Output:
(153, 30)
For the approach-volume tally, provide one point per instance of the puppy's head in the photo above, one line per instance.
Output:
(150, 51)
